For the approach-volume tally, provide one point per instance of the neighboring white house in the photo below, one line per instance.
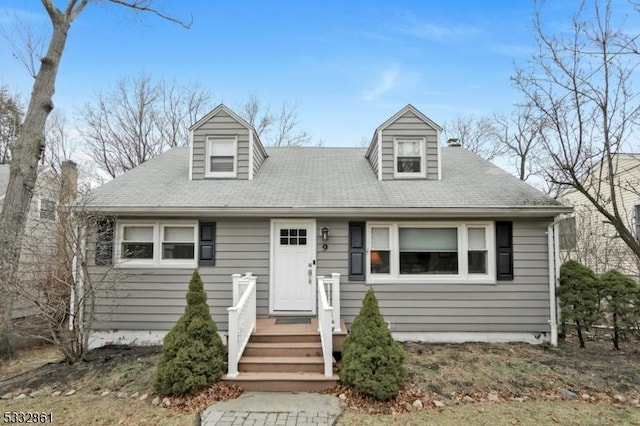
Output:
(51, 189)
(597, 243)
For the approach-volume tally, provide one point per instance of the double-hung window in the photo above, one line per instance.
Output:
(47, 209)
(430, 251)
(409, 158)
(157, 243)
(221, 157)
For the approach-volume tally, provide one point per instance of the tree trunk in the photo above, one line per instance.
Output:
(616, 334)
(580, 338)
(24, 169)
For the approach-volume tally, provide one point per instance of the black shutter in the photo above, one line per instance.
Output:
(104, 242)
(207, 244)
(356, 251)
(504, 251)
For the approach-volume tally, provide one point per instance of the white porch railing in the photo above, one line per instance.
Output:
(242, 318)
(325, 318)
(331, 287)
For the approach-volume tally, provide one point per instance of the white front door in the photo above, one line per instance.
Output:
(293, 275)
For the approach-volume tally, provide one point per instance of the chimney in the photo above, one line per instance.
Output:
(453, 142)
(69, 182)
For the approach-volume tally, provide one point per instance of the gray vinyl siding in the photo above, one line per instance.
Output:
(154, 299)
(373, 156)
(521, 305)
(409, 125)
(259, 155)
(222, 125)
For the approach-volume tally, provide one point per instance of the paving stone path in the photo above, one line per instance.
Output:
(277, 409)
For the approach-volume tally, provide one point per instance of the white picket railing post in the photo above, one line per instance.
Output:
(235, 289)
(242, 319)
(325, 327)
(232, 345)
(335, 302)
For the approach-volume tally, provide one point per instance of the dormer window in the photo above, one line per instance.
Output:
(409, 156)
(221, 157)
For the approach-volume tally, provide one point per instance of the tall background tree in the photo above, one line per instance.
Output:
(10, 118)
(579, 83)
(30, 143)
(138, 119)
(278, 129)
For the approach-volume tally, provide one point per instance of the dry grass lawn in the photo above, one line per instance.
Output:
(524, 380)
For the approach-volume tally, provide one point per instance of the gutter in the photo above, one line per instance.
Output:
(335, 212)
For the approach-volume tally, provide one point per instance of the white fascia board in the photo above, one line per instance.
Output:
(191, 155)
(439, 155)
(251, 156)
(380, 154)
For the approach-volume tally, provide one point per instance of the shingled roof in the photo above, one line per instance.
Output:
(320, 181)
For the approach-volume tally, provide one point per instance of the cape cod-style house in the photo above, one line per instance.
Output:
(287, 241)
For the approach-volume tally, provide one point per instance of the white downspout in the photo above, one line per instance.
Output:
(554, 267)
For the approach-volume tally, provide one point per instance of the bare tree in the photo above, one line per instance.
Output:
(139, 119)
(280, 129)
(520, 135)
(27, 149)
(59, 146)
(478, 135)
(579, 83)
(56, 288)
(10, 117)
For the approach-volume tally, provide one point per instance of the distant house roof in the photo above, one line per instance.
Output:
(321, 182)
(4, 179)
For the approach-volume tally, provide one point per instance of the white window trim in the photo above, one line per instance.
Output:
(158, 232)
(55, 213)
(208, 173)
(462, 277)
(423, 158)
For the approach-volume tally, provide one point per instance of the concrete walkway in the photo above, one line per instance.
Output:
(274, 408)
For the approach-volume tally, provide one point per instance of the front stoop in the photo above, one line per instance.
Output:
(283, 358)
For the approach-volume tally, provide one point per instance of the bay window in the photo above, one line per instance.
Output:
(430, 251)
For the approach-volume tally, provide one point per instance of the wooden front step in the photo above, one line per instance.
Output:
(283, 358)
(284, 382)
(284, 349)
(281, 364)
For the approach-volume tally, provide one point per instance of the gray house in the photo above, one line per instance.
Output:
(455, 248)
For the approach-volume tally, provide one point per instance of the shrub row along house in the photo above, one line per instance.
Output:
(455, 248)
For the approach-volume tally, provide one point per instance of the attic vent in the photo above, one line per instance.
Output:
(453, 143)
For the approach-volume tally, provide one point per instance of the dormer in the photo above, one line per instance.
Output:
(224, 146)
(406, 147)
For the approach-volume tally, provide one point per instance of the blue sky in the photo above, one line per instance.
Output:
(348, 65)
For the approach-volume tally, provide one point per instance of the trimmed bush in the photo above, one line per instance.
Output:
(620, 293)
(371, 359)
(192, 352)
(579, 296)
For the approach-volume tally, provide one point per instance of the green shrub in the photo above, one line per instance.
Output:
(620, 293)
(579, 296)
(192, 352)
(371, 359)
